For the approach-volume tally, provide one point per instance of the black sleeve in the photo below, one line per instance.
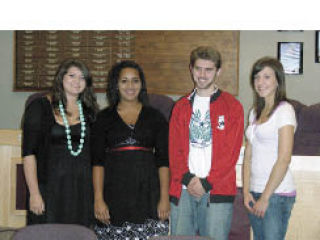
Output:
(161, 142)
(98, 140)
(32, 124)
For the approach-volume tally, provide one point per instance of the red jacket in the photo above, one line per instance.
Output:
(226, 114)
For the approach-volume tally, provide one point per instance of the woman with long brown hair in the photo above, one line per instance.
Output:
(56, 149)
(268, 186)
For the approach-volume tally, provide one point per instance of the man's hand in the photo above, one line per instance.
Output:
(195, 187)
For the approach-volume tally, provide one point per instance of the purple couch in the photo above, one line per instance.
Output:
(307, 135)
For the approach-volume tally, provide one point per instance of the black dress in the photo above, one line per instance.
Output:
(131, 182)
(65, 181)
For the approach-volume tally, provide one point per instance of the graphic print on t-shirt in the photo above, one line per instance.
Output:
(200, 129)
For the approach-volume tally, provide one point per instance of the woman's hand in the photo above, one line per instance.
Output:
(36, 204)
(260, 207)
(248, 202)
(101, 211)
(163, 209)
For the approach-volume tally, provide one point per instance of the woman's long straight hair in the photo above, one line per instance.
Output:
(280, 95)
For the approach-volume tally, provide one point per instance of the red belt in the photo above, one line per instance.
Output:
(130, 148)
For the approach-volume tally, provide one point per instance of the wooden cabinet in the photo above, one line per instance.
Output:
(305, 216)
(11, 215)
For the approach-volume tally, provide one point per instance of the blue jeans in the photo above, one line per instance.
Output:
(195, 216)
(274, 224)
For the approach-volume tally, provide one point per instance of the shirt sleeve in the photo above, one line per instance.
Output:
(32, 128)
(161, 143)
(286, 115)
(178, 164)
(98, 140)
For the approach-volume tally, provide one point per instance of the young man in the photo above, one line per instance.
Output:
(206, 130)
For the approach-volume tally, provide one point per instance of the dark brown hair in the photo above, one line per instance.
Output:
(280, 94)
(87, 97)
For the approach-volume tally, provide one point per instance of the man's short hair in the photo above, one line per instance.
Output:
(207, 53)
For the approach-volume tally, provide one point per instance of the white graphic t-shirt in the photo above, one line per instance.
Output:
(200, 137)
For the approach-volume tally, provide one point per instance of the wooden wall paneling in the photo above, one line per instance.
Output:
(39, 53)
(164, 56)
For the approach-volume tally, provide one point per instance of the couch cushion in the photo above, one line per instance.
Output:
(163, 103)
(306, 144)
(307, 136)
(240, 225)
(55, 232)
(309, 118)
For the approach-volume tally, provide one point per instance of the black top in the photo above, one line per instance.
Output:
(65, 181)
(131, 183)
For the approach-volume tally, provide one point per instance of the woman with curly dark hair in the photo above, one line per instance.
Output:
(56, 149)
(130, 157)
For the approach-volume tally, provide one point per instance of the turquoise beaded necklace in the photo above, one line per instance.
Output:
(68, 130)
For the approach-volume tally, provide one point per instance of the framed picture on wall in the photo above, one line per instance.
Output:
(290, 54)
(317, 47)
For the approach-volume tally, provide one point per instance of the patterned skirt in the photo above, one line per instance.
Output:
(131, 231)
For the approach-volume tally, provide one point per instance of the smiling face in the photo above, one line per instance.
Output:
(204, 73)
(129, 84)
(73, 82)
(265, 84)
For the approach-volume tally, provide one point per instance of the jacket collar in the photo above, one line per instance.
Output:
(214, 96)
